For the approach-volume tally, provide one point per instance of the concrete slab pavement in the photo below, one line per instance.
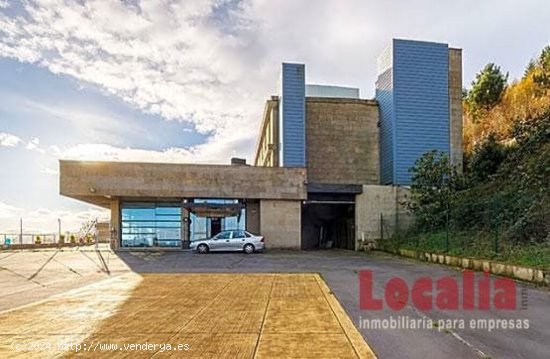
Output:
(196, 315)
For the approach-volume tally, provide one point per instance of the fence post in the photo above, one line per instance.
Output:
(447, 228)
(381, 227)
(20, 233)
(496, 228)
(396, 232)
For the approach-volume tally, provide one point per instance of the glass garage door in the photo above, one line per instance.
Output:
(150, 224)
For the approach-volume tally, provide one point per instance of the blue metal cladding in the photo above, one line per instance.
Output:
(293, 116)
(415, 112)
(384, 95)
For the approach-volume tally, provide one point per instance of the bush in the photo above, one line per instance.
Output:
(486, 159)
(435, 184)
(37, 240)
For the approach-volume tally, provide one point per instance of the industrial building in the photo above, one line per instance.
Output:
(327, 163)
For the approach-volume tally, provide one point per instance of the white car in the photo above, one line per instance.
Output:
(234, 240)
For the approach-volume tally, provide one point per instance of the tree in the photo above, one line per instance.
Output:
(486, 159)
(531, 66)
(435, 184)
(487, 88)
(541, 69)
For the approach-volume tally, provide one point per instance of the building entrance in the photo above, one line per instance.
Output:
(328, 222)
(215, 226)
(208, 217)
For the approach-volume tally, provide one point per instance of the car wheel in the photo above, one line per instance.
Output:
(248, 248)
(202, 249)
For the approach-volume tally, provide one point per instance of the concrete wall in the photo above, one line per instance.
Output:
(342, 141)
(103, 180)
(280, 223)
(375, 201)
(455, 107)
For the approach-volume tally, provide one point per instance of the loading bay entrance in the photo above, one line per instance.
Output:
(328, 221)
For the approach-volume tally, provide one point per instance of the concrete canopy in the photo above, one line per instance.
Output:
(99, 182)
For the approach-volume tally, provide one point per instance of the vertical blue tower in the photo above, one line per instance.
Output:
(413, 94)
(292, 116)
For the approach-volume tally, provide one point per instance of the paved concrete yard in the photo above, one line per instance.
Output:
(30, 276)
(217, 315)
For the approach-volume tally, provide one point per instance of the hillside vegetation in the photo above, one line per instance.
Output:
(499, 207)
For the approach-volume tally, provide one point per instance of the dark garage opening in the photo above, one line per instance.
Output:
(328, 222)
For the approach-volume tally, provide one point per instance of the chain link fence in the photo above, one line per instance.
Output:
(90, 233)
(484, 232)
(37, 240)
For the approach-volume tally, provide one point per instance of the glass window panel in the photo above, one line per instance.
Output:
(135, 224)
(239, 234)
(151, 224)
(223, 235)
(175, 211)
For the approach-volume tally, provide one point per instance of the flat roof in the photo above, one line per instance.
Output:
(98, 182)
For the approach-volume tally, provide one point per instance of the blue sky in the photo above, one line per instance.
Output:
(186, 81)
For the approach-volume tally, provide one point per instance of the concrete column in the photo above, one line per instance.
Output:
(115, 226)
(275, 134)
(185, 232)
(455, 107)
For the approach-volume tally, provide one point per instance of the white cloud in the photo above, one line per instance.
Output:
(189, 61)
(34, 145)
(104, 152)
(49, 170)
(9, 140)
(9, 211)
(205, 153)
(4, 4)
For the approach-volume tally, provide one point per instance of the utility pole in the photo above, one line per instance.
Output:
(59, 228)
(21, 231)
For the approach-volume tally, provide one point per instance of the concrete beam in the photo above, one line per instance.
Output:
(98, 182)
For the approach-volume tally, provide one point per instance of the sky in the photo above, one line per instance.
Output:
(186, 81)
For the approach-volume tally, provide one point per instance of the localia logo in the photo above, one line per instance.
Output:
(469, 292)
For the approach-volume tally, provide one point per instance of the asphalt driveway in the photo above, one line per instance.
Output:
(37, 275)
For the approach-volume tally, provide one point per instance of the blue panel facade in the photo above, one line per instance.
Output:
(293, 116)
(415, 111)
(384, 95)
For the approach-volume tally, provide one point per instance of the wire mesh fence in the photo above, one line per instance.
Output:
(14, 240)
(28, 238)
(485, 232)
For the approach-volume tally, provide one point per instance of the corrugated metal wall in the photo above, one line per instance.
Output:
(293, 108)
(414, 106)
(384, 95)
